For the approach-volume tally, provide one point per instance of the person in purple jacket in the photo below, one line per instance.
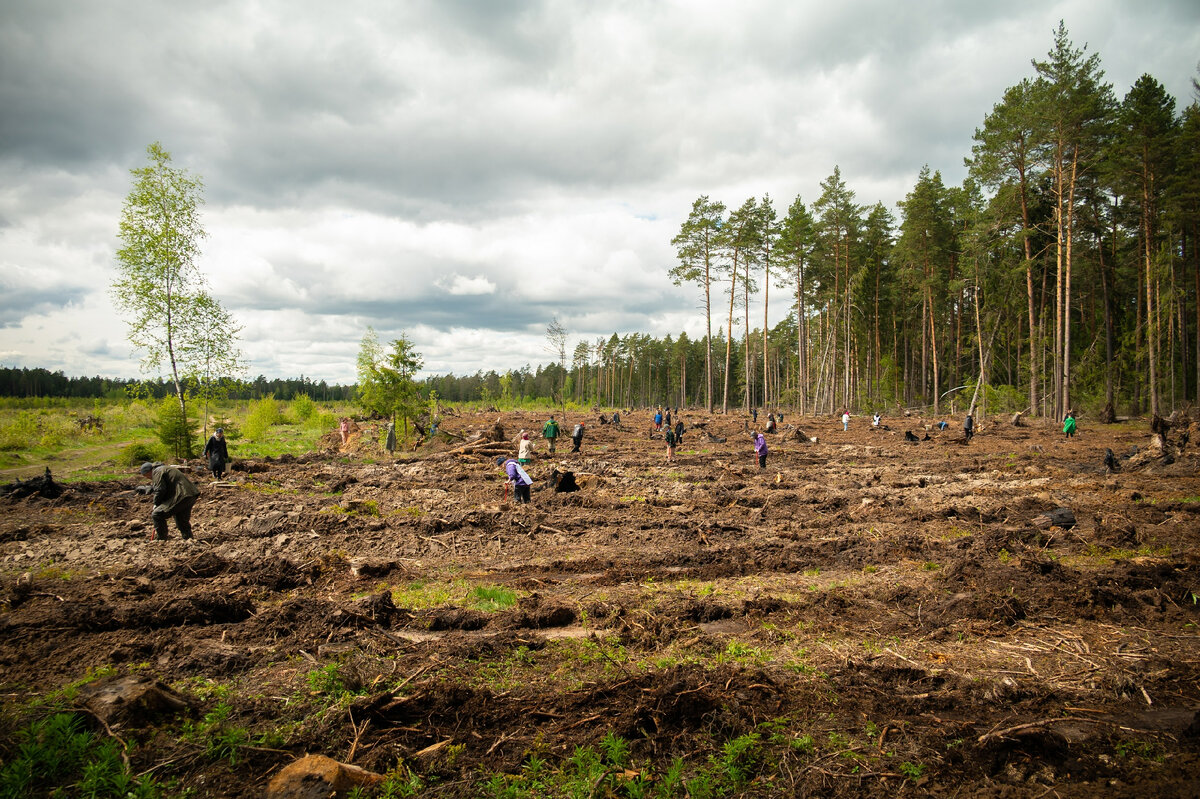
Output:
(517, 476)
(760, 449)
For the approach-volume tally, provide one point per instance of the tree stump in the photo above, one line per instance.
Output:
(1059, 517)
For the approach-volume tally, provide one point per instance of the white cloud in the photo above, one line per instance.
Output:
(466, 171)
(457, 284)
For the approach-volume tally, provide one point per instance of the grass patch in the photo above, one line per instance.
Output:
(422, 594)
(608, 769)
(491, 598)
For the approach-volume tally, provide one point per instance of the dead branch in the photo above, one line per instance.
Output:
(1032, 725)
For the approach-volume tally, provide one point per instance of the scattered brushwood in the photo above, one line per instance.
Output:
(43, 486)
(91, 422)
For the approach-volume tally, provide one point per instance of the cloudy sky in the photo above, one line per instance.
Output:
(465, 170)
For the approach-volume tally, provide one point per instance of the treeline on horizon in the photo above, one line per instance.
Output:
(38, 382)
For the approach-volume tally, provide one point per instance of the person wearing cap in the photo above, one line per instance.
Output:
(550, 431)
(525, 449)
(216, 452)
(760, 449)
(517, 476)
(174, 496)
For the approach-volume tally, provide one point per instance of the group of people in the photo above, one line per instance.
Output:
(519, 479)
(175, 494)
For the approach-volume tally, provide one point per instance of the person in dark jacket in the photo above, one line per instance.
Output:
(174, 496)
(577, 437)
(969, 427)
(678, 431)
(216, 452)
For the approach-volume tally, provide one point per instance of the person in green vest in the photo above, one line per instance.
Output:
(550, 431)
(1069, 424)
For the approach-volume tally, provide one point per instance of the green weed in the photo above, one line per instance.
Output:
(56, 752)
(327, 681)
(219, 739)
(491, 598)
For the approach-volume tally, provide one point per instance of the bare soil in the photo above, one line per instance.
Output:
(899, 604)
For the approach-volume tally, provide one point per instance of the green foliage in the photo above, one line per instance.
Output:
(303, 407)
(328, 681)
(56, 752)
(609, 770)
(491, 598)
(615, 749)
(400, 783)
(387, 379)
(174, 430)
(739, 760)
(220, 739)
(160, 289)
(137, 454)
(20, 431)
(264, 413)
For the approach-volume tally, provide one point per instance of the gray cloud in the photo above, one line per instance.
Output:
(21, 302)
(358, 158)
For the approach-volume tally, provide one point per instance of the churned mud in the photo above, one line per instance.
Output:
(885, 616)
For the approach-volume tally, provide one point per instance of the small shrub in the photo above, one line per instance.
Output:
(137, 454)
(174, 431)
(303, 407)
(263, 414)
